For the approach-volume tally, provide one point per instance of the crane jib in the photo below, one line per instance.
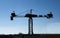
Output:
(30, 15)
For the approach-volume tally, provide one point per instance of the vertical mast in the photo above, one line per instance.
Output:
(30, 24)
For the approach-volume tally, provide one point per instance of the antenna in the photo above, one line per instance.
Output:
(30, 20)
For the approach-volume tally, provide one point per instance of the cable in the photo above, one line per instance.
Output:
(23, 11)
(36, 10)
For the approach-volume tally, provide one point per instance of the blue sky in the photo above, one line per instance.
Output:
(21, 7)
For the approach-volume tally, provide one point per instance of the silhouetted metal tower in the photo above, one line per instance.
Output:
(30, 23)
(30, 20)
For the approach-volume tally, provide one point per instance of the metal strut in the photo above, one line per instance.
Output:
(30, 24)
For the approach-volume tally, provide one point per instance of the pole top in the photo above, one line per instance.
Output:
(30, 11)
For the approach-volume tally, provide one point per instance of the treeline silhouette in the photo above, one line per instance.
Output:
(31, 36)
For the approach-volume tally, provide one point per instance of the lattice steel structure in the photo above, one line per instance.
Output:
(30, 20)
